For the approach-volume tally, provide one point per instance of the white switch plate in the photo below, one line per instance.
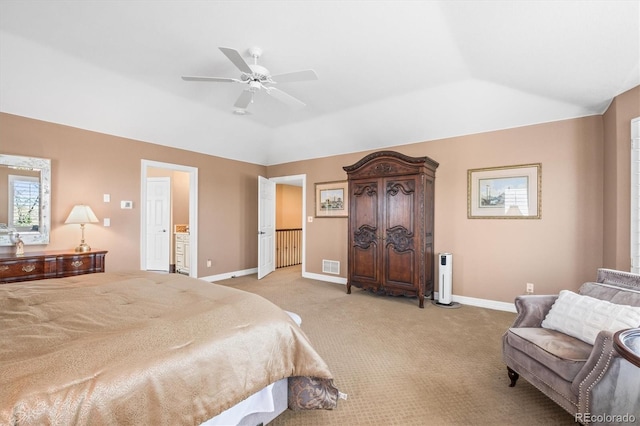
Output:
(126, 204)
(106, 221)
(106, 198)
(310, 219)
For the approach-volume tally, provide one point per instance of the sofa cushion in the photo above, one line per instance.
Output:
(563, 354)
(584, 317)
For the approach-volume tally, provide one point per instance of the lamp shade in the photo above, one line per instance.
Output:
(81, 214)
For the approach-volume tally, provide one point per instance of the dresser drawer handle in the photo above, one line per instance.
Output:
(4, 268)
(76, 263)
(28, 268)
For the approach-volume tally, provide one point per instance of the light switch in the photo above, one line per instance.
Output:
(310, 219)
(106, 198)
(106, 221)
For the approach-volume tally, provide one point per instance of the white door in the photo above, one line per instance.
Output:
(158, 223)
(266, 226)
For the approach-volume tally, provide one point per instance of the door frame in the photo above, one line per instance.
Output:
(193, 211)
(297, 180)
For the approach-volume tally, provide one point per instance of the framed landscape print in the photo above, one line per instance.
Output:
(510, 192)
(332, 199)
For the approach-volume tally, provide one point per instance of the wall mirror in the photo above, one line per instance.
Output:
(25, 199)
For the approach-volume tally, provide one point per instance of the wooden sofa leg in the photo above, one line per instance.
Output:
(513, 376)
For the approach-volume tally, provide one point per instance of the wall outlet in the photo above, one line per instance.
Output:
(529, 288)
(208, 263)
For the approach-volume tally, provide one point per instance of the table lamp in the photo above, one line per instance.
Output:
(82, 214)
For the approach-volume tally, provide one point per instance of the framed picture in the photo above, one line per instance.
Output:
(332, 199)
(510, 192)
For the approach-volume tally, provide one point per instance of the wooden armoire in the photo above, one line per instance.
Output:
(391, 198)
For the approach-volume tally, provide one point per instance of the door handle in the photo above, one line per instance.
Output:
(261, 232)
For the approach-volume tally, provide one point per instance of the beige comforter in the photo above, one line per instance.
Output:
(141, 348)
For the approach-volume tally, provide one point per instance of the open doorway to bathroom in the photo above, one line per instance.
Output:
(168, 218)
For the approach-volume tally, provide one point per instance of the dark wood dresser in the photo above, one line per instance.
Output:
(49, 264)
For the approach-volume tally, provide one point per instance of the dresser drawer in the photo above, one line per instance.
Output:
(80, 264)
(21, 270)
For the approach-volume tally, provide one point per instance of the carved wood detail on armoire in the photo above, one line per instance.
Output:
(391, 211)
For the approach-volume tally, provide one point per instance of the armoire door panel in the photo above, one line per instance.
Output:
(399, 268)
(365, 264)
(364, 205)
(399, 206)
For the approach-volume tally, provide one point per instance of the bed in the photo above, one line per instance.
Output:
(146, 348)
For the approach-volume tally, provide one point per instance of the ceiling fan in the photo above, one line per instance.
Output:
(257, 77)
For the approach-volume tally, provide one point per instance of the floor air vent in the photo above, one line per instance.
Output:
(330, 266)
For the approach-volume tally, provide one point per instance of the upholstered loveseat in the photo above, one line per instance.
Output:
(588, 379)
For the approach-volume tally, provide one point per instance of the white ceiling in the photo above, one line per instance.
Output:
(390, 72)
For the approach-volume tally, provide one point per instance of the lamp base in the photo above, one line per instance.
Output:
(83, 248)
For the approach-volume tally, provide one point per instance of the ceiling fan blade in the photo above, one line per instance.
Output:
(285, 97)
(237, 60)
(244, 99)
(216, 79)
(291, 77)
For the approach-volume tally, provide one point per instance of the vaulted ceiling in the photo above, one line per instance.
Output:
(390, 72)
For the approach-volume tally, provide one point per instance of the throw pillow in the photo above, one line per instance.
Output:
(583, 317)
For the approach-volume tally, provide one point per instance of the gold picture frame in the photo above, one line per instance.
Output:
(332, 199)
(508, 192)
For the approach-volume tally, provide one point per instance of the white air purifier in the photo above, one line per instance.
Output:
(445, 280)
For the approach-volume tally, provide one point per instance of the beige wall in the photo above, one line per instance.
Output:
(493, 259)
(288, 207)
(85, 165)
(617, 181)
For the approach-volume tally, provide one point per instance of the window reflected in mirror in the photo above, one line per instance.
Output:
(24, 202)
(25, 199)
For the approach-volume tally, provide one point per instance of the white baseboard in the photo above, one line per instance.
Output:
(482, 303)
(463, 300)
(226, 276)
(322, 277)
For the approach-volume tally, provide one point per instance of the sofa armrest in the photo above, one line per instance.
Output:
(604, 374)
(597, 362)
(532, 308)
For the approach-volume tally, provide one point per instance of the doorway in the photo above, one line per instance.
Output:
(300, 181)
(147, 166)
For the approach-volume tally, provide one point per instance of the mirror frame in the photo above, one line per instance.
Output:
(44, 165)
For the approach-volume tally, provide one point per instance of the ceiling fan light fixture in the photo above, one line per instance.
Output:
(254, 86)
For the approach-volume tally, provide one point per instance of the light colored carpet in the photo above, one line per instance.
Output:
(401, 365)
